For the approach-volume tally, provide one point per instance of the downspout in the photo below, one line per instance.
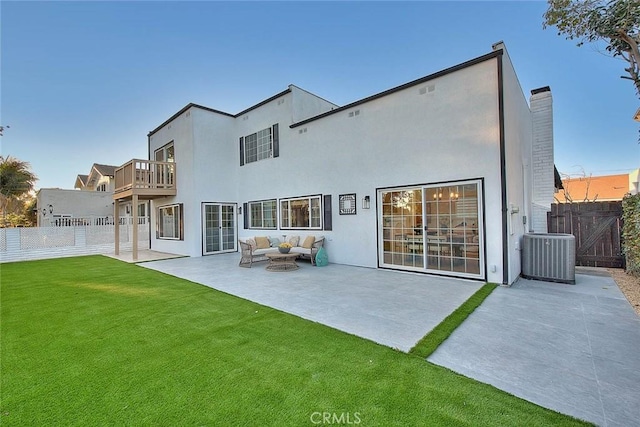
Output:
(503, 175)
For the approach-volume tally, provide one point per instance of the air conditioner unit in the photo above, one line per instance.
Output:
(550, 257)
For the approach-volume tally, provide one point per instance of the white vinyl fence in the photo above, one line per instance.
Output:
(29, 243)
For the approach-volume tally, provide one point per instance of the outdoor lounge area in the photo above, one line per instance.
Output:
(256, 249)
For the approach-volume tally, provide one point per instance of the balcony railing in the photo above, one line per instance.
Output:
(145, 177)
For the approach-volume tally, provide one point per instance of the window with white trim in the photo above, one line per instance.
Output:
(258, 146)
(261, 145)
(301, 213)
(169, 222)
(263, 214)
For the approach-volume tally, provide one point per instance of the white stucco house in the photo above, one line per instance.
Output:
(442, 175)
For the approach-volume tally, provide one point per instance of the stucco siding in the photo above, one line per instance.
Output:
(518, 140)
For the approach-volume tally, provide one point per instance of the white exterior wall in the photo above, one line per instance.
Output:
(180, 132)
(518, 146)
(73, 202)
(305, 105)
(405, 138)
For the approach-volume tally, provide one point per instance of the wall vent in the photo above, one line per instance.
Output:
(280, 101)
(245, 118)
(429, 89)
(354, 113)
(549, 257)
(303, 130)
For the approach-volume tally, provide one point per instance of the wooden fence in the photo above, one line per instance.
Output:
(597, 227)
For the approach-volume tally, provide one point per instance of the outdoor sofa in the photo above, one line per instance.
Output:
(253, 249)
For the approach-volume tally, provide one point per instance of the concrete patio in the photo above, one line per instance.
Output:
(571, 348)
(391, 308)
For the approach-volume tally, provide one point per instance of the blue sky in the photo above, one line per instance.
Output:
(84, 82)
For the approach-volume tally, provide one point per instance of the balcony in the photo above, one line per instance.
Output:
(146, 179)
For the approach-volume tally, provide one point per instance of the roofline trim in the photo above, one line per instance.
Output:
(421, 80)
(184, 109)
(212, 110)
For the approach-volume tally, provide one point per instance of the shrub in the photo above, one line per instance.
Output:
(631, 233)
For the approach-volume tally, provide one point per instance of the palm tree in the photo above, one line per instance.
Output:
(15, 180)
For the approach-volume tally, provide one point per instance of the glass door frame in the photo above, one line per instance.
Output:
(234, 227)
(390, 257)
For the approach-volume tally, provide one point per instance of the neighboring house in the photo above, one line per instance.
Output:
(99, 179)
(93, 204)
(598, 188)
(59, 207)
(442, 175)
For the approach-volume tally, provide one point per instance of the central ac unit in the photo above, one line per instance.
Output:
(550, 257)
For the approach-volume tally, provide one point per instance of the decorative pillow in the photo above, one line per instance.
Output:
(308, 242)
(262, 243)
(294, 240)
(274, 242)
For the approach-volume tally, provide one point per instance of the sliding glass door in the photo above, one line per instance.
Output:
(433, 228)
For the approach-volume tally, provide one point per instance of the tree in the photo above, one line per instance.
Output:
(617, 22)
(16, 180)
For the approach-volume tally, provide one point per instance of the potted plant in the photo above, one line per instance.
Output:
(284, 248)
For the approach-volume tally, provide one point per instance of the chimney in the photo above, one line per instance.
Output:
(543, 184)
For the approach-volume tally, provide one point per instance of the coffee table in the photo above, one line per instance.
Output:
(281, 262)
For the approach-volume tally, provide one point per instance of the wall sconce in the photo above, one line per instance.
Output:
(366, 202)
(239, 210)
(128, 209)
(50, 209)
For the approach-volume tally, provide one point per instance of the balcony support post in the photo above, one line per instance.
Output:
(116, 225)
(134, 208)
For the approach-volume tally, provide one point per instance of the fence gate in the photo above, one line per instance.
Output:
(597, 227)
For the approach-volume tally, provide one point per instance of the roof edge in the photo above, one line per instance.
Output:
(469, 63)
(212, 110)
(266, 101)
(185, 108)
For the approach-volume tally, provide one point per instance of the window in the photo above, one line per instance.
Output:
(165, 154)
(263, 214)
(169, 222)
(301, 212)
(164, 173)
(102, 187)
(259, 146)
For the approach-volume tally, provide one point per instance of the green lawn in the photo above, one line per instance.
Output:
(94, 341)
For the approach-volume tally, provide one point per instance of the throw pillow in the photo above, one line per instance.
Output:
(262, 243)
(308, 242)
(274, 242)
(294, 240)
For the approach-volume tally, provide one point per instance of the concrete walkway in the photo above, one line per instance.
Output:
(571, 348)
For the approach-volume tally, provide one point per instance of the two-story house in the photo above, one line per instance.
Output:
(442, 175)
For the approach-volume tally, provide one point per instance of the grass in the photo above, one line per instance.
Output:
(430, 342)
(94, 341)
